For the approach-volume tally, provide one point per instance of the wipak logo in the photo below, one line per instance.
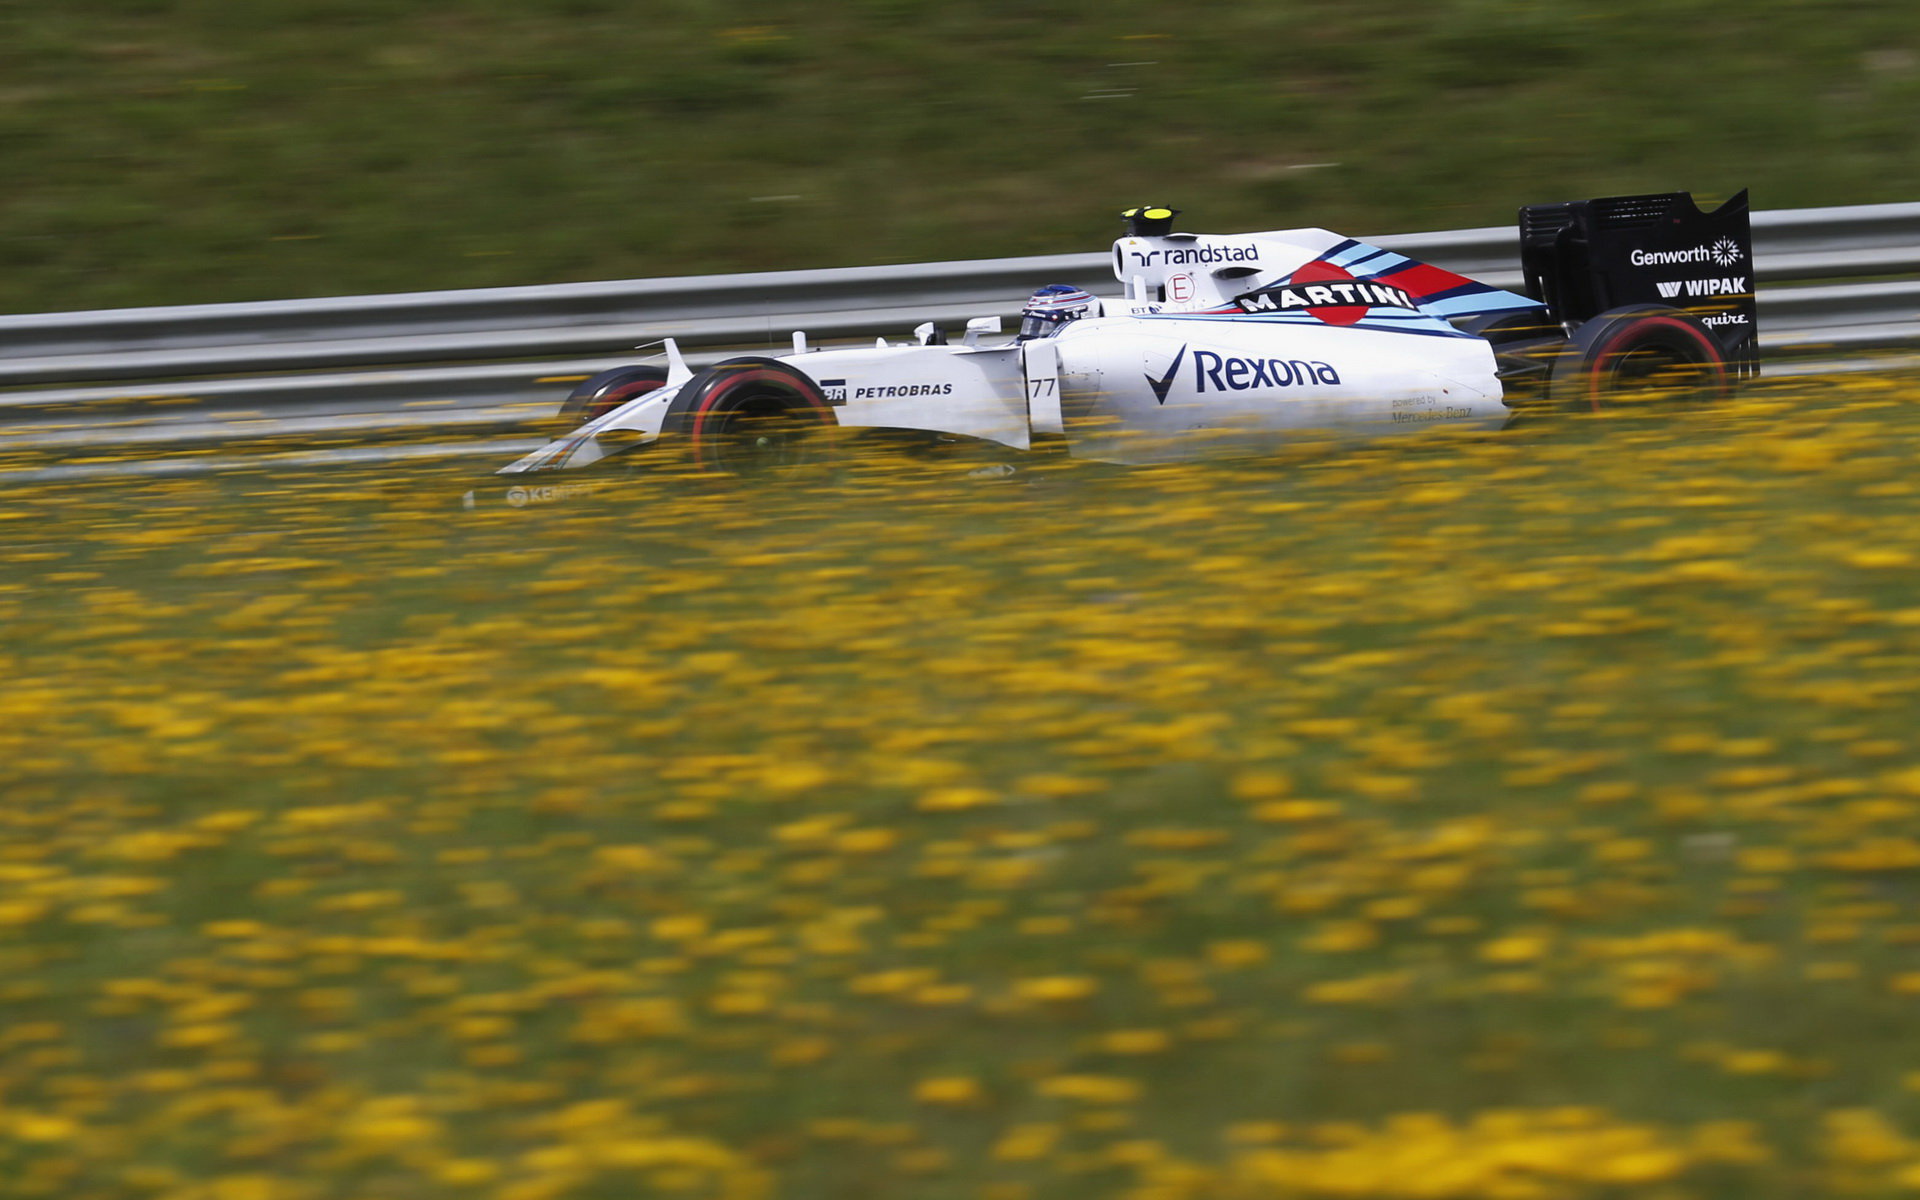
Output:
(1673, 288)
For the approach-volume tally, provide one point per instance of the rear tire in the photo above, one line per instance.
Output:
(1641, 351)
(754, 417)
(608, 390)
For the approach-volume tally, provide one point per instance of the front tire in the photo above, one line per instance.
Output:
(607, 391)
(753, 417)
(1641, 351)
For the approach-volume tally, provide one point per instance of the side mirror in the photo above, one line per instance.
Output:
(928, 334)
(980, 325)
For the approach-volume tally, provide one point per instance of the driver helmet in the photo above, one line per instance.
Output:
(1049, 309)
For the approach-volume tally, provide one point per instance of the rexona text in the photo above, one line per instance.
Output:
(1228, 374)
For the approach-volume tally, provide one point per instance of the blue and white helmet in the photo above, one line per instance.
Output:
(1049, 309)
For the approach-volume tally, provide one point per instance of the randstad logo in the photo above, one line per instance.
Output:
(1180, 256)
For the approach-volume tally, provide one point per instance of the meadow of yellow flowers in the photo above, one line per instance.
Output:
(1517, 817)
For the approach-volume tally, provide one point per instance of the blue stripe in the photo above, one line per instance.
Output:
(1411, 322)
(1338, 255)
(1461, 303)
(1367, 262)
(1375, 260)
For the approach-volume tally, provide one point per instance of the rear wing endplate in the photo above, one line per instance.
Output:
(1585, 257)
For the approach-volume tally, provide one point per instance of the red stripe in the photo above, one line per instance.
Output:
(1421, 280)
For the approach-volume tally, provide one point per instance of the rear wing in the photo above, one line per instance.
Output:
(1585, 257)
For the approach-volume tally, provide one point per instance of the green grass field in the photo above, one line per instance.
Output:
(175, 153)
(1523, 816)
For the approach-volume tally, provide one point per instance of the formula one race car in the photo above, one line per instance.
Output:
(1231, 345)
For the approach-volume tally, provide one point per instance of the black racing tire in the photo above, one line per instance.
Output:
(754, 417)
(1525, 344)
(608, 390)
(1640, 351)
(1525, 325)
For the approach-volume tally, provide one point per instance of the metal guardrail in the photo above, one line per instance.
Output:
(483, 359)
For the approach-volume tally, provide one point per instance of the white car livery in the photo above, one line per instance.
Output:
(1231, 345)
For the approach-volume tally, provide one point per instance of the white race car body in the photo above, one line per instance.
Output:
(1221, 346)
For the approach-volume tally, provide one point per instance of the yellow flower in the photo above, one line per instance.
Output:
(1056, 988)
(1135, 1041)
(1090, 1089)
(956, 799)
(866, 841)
(684, 927)
(38, 1127)
(1342, 937)
(950, 1090)
(1755, 1062)
(1024, 1143)
(466, 1172)
(1261, 785)
(629, 858)
(1517, 948)
(1233, 953)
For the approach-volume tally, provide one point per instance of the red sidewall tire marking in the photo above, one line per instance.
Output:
(718, 392)
(603, 392)
(1596, 366)
(615, 397)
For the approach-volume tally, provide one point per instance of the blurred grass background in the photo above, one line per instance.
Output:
(1517, 817)
(178, 152)
(1537, 806)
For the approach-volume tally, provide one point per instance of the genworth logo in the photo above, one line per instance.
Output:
(1724, 252)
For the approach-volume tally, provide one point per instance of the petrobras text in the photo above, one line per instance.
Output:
(1325, 295)
(1229, 374)
(1181, 256)
(896, 391)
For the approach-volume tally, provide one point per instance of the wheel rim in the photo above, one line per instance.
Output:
(759, 438)
(752, 416)
(1658, 367)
